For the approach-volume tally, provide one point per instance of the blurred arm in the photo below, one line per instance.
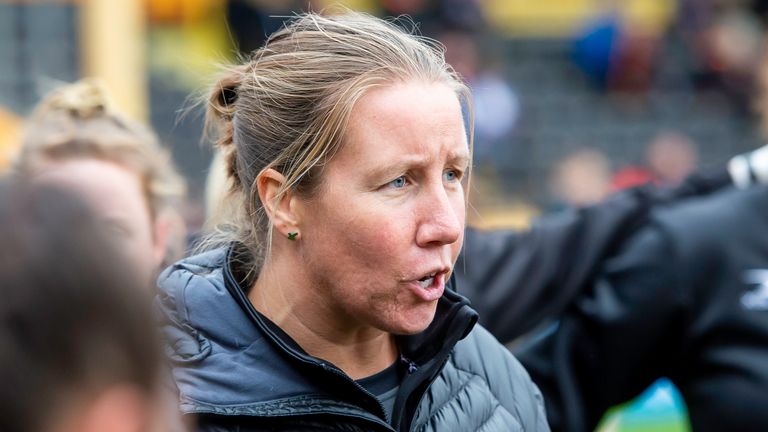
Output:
(517, 280)
(615, 340)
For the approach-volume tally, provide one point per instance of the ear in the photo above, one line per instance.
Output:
(282, 213)
(169, 237)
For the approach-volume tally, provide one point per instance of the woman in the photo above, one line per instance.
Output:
(329, 305)
(76, 139)
(78, 351)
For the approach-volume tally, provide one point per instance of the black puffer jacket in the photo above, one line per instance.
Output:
(518, 280)
(686, 298)
(238, 371)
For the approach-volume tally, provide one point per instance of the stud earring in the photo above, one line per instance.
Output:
(292, 235)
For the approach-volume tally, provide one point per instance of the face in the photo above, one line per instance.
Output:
(118, 408)
(380, 237)
(116, 195)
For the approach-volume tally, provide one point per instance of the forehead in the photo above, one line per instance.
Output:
(111, 188)
(412, 116)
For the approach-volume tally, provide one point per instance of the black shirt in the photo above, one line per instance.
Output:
(384, 385)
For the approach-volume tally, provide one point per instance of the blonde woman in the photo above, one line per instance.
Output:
(75, 138)
(326, 302)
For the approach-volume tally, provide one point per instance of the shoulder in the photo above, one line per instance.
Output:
(481, 354)
(694, 228)
(206, 265)
(192, 277)
(485, 372)
(730, 207)
(705, 229)
(192, 296)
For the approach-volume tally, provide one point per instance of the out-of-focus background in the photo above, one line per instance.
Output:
(573, 98)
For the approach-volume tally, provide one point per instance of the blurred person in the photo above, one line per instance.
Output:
(582, 178)
(328, 304)
(520, 280)
(76, 138)
(724, 40)
(616, 55)
(78, 350)
(630, 176)
(683, 298)
(671, 157)
(673, 306)
(496, 104)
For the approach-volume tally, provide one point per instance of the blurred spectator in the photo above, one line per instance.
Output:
(725, 40)
(630, 176)
(496, 105)
(582, 178)
(594, 49)
(685, 298)
(671, 157)
(614, 57)
(78, 350)
(517, 280)
(75, 138)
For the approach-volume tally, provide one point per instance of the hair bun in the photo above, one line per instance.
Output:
(225, 94)
(84, 99)
(228, 95)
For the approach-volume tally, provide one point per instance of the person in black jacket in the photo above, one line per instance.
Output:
(519, 280)
(630, 273)
(686, 298)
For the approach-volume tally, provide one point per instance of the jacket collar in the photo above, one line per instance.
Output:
(231, 360)
(454, 319)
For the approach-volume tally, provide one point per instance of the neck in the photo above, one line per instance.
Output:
(302, 310)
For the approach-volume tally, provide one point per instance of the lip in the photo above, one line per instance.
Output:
(432, 292)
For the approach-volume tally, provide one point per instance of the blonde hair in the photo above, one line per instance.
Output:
(78, 121)
(287, 108)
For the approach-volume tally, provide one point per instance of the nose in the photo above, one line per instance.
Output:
(441, 216)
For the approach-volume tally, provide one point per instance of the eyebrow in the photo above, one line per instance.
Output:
(461, 159)
(389, 170)
(406, 162)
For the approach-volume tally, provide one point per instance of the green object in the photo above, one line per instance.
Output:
(292, 235)
(659, 409)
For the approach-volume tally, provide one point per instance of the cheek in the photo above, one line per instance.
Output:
(370, 235)
(460, 210)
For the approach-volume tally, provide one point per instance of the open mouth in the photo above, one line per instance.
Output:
(430, 287)
(427, 281)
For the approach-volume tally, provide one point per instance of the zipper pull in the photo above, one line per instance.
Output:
(412, 367)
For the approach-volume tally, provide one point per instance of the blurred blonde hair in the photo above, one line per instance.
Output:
(79, 121)
(287, 108)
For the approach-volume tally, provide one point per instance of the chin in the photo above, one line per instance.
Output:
(414, 322)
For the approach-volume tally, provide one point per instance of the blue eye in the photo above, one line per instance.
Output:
(398, 182)
(450, 176)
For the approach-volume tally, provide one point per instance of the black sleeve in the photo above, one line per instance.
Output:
(517, 280)
(615, 339)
